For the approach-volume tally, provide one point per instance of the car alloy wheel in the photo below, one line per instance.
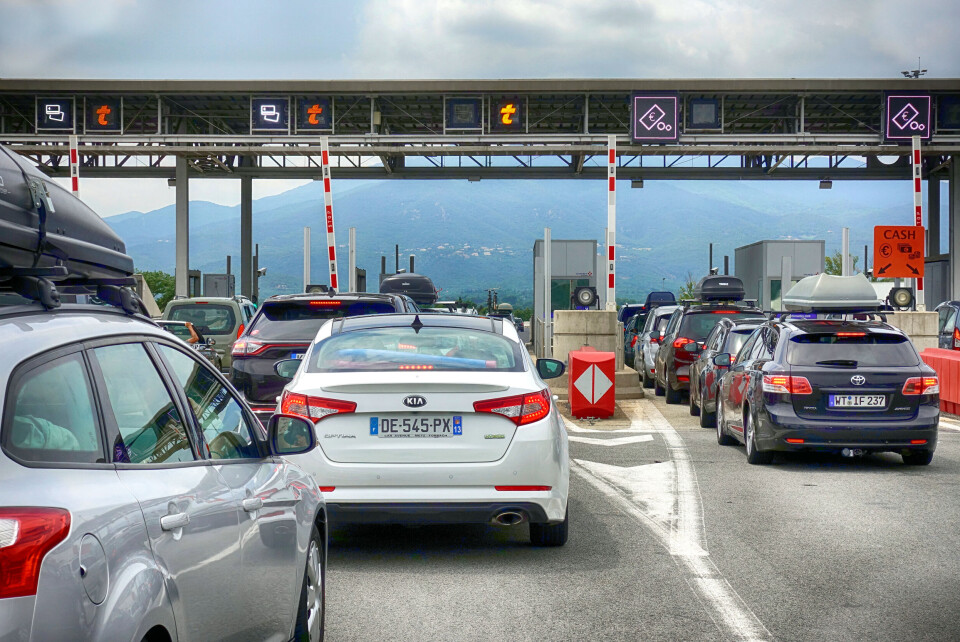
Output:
(722, 437)
(310, 616)
(754, 456)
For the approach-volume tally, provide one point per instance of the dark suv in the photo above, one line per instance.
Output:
(689, 325)
(284, 327)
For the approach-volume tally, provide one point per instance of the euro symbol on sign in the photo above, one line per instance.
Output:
(102, 112)
(314, 111)
(506, 113)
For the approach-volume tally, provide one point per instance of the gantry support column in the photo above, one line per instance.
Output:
(246, 236)
(933, 217)
(954, 214)
(182, 273)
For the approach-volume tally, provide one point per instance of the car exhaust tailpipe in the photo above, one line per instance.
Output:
(509, 518)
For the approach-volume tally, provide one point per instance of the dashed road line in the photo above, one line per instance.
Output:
(665, 499)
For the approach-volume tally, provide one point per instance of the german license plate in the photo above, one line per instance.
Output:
(297, 355)
(857, 401)
(411, 427)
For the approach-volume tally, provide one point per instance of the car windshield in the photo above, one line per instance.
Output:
(697, 325)
(404, 348)
(300, 320)
(207, 318)
(844, 349)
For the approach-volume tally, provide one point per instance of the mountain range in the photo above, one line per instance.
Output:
(470, 236)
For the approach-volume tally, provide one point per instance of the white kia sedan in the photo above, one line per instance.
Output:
(432, 419)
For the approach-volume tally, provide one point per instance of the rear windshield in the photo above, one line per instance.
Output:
(697, 325)
(629, 311)
(867, 349)
(180, 331)
(390, 349)
(207, 318)
(300, 320)
(736, 339)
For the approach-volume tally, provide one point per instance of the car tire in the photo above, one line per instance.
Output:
(694, 408)
(722, 437)
(754, 457)
(657, 388)
(646, 378)
(917, 457)
(312, 606)
(707, 419)
(671, 395)
(550, 534)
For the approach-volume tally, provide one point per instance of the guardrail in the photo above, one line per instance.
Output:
(947, 365)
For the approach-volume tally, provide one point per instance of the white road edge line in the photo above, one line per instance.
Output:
(619, 441)
(686, 540)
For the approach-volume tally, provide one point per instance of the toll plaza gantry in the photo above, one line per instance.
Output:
(772, 129)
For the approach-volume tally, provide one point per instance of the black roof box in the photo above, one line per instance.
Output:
(716, 287)
(416, 286)
(42, 225)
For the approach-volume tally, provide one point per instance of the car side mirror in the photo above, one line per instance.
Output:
(287, 368)
(722, 360)
(550, 368)
(691, 347)
(211, 342)
(290, 435)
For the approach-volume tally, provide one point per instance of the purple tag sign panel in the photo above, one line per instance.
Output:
(655, 118)
(907, 116)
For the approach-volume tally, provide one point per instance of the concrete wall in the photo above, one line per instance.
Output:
(573, 329)
(921, 327)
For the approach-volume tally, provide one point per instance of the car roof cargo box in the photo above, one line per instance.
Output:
(416, 286)
(825, 292)
(660, 298)
(42, 225)
(717, 287)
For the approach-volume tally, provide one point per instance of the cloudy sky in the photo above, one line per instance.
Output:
(298, 39)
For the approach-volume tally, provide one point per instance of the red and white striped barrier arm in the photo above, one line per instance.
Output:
(328, 209)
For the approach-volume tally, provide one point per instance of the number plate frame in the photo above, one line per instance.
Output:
(417, 427)
(833, 402)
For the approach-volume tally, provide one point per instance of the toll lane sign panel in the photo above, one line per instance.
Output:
(898, 251)
(655, 118)
(906, 117)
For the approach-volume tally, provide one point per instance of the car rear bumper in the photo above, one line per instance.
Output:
(876, 436)
(434, 512)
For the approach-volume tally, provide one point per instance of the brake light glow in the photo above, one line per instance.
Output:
(794, 440)
(327, 489)
(679, 342)
(851, 334)
(917, 442)
(956, 338)
(724, 311)
(27, 534)
(520, 409)
(786, 385)
(521, 488)
(656, 339)
(921, 386)
(240, 330)
(313, 408)
(327, 303)
(633, 341)
(415, 366)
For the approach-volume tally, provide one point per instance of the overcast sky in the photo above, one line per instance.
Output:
(297, 39)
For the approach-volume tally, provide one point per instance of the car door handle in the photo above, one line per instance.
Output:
(175, 521)
(251, 504)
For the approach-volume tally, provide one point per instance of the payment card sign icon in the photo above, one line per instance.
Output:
(655, 118)
(907, 116)
(270, 114)
(55, 114)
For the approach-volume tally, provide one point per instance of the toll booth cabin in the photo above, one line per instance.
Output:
(574, 263)
(764, 266)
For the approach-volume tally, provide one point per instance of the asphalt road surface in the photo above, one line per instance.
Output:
(673, 537)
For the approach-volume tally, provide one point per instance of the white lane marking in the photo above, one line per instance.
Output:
(949, 425)
(619, 441)
(573, 427)
(673, 514)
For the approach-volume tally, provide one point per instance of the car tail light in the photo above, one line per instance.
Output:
(956, 338)
(917, 442)
(851, 334)
(655, 339)
(247, 348)
(679, 342)
(26, 536)
(633, 341)
(313, 408)
(921, 386)
(327, 489)
(329, 303)
(785, 385)
(724, 311)
(240, 330)
(520, 409)
(794, 440)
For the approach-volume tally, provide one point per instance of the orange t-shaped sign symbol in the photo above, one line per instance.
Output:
(506, 113)
(314, 111)
(102, 112)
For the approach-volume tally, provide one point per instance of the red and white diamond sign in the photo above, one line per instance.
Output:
(593, 384)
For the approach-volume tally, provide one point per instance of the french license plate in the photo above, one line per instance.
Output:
(410, 427)
(857, 401)
(297, 355)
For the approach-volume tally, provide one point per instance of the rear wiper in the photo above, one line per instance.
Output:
(840, 363)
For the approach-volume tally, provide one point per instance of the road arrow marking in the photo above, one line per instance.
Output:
(619, 441)
(665, 499)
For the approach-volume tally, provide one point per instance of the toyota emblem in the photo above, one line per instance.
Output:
(414, 401)
(858, 380)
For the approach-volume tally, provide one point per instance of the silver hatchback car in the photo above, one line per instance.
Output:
(140, 499)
